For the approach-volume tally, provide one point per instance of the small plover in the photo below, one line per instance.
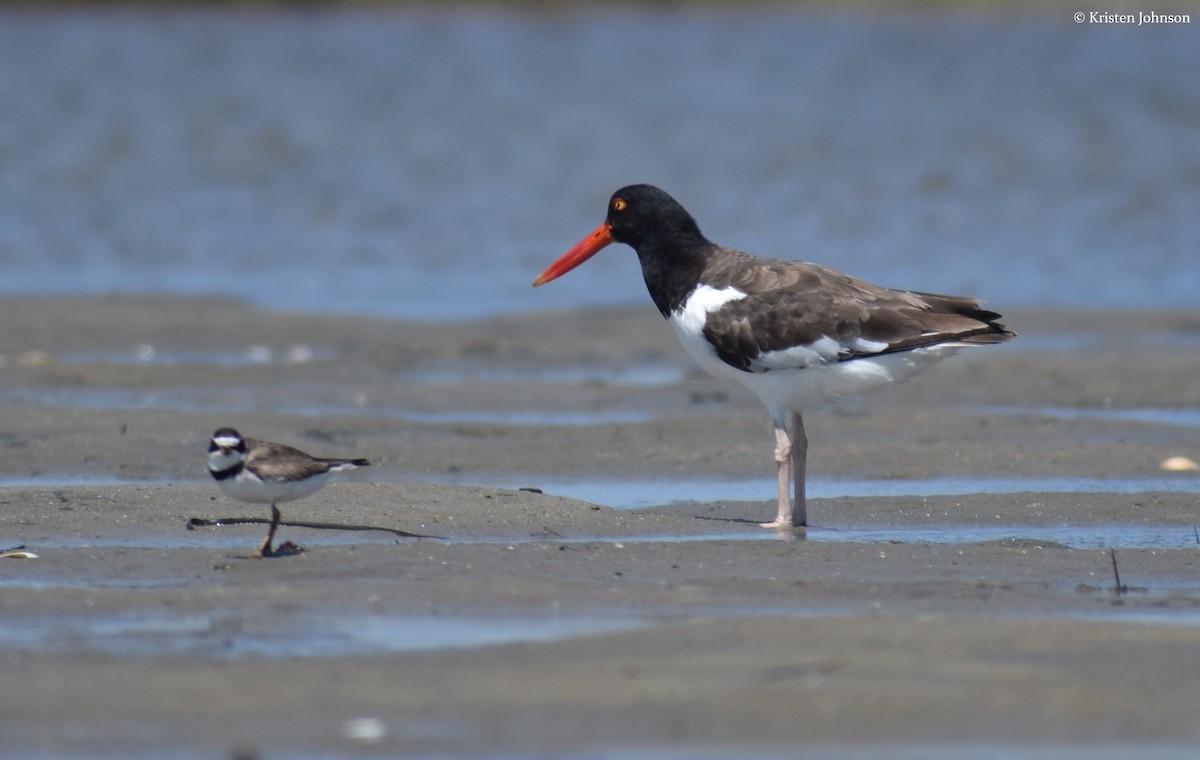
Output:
(262, 472)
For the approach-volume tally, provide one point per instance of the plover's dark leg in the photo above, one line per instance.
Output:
(265, 550)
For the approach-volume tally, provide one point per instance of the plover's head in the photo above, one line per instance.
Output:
(226, 449)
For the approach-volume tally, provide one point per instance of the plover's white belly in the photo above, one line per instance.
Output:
(246, 487)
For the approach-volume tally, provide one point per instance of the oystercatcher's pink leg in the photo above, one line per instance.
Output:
(791, 454)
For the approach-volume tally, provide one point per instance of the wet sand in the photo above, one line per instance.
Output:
(963, 623)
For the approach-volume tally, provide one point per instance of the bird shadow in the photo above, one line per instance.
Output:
(796, 532)
(201, 522)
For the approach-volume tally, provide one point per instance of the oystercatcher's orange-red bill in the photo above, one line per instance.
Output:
(583, 250)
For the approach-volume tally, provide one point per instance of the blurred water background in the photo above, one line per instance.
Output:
(429, 163)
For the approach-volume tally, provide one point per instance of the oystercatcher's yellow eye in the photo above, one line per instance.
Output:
(619, 204)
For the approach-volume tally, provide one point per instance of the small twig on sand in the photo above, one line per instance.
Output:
(1119, 588)
(200, 522)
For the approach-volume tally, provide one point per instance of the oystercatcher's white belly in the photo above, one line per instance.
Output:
(801, 376)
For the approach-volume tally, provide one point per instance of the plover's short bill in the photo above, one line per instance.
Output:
(262, 472)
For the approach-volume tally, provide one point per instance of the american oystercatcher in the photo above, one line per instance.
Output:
(262, 472)
(794, 333)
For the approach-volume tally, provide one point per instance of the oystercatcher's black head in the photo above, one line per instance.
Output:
(642, 216)
(640, 213)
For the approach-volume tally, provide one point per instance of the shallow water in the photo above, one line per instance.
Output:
(1177, 418)
(311, 401)
(429, 165)
(1108, 536)
(1173, 417)
(632, 493)
(229, 636)
(149, 355)
(316, 400)
(644, 374)
(242, 538)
